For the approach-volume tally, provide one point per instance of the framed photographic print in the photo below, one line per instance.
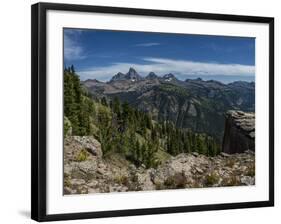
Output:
(139, 111)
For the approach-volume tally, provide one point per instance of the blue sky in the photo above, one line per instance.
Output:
(100, 54)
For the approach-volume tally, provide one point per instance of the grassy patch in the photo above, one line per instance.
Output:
(162, 156)
(121, 180)
(170, 88)
(82, 155)
(211, 179)
(66, 182)
(232, 181)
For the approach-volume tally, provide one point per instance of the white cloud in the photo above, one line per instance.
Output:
(203, 68)
(147, 44)
(72, 49)
(181, 68)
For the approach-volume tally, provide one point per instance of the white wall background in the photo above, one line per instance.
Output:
(15, 110)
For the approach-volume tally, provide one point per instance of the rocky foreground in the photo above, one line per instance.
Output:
(87, 171)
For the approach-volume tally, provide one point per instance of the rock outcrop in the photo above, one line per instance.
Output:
(86, 172)
(239, 133)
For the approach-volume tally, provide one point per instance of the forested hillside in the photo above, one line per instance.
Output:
(192, 103)
(125, 130)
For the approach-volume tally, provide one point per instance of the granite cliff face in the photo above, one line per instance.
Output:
(239, 134)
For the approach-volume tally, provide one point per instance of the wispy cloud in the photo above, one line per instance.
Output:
(181, 68)
(202, 68)
(72, 49)
(147, 44)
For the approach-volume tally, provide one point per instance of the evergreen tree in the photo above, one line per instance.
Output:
(116, 107)
(103, 101)
(138, 152)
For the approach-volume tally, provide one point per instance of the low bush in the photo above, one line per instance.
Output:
(211, 179)
(122, 180)
(82, 155)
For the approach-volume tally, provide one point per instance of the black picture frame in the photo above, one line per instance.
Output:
(39, 122)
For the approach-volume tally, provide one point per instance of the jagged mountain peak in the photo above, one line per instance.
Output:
(132, 70)
(169, 77)
(130, 75)
(151, 75)
(133, 75)
(118, 76)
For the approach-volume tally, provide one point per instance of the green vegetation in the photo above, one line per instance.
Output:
(211, 179)
(66, 180)
(77, 107)
(82, 155)
(170, 88)
(123, 129)
(232, 181)
(66, 127)
(122, 179)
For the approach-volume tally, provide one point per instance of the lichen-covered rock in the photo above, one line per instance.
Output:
(144, 181)
(74, 144)
(90, 144)
(239, 133)
(248, 180)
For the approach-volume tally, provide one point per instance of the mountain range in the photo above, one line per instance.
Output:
(192, 104)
